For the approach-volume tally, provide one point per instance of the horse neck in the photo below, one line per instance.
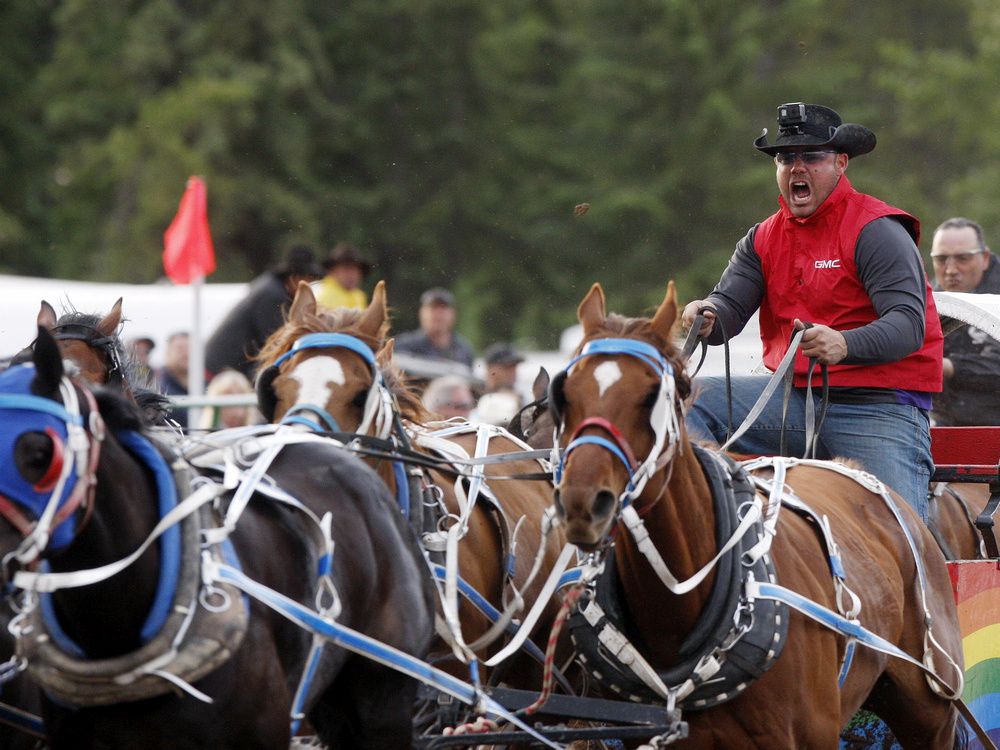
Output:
(105, 618)
(681, 524)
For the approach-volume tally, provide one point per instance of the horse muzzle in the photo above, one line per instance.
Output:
(587, 514)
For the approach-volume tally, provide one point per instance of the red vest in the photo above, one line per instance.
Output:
(810, 274)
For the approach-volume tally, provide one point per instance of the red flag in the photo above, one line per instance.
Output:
(187, 244)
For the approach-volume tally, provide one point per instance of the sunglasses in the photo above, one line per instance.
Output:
(787, 158)
(959, 258)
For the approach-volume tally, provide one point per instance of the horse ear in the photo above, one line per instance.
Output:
(108, 325)
(591, 310)
(46, 316)
(48, 364)
(666, 313)
(384, 355)
(541, 385)
(303, 305)
(373, 318)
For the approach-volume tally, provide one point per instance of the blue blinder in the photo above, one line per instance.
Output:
(22, 412)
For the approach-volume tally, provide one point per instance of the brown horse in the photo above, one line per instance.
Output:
(340, 383)
(621, 402)
(92, 341)
(951, 516)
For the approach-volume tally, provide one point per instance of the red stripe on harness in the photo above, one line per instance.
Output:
(51, 475)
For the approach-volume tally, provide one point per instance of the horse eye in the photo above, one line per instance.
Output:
(33, 453)
(650, 400)
(360, 399)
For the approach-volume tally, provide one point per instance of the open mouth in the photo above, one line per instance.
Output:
(800, 192)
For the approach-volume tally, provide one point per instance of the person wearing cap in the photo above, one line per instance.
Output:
(139, 349)
(436, 338)
(245, 328)
(500, 399)
(341, 286)
(844, 267)
(501, 361)
(963, 262)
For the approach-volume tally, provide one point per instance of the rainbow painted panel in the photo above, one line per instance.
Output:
(977, 594)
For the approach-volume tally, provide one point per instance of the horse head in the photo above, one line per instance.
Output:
(617, 413)
(91, 341)
(533, 423)
(50, 433)
(324, 368)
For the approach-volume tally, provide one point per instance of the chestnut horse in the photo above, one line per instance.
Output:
(336, 388)
(628, 470)
(951, 515)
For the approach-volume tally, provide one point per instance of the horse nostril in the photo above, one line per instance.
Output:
(560, 510)
(605, 503)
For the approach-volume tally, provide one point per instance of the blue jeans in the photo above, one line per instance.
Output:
(891, 441)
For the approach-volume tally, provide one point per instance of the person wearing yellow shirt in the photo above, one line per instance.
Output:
(341, 287)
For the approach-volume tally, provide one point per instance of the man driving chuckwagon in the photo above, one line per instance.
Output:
(848, 264)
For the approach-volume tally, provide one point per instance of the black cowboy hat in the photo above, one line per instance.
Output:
(346, 253)
(813, 125)
(299, 261)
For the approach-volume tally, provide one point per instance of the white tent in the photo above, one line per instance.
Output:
(153, 310)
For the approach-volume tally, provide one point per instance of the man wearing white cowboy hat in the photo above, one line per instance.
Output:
(848, 264)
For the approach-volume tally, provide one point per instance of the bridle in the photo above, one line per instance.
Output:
(664, 419)
(70, 479)
(107, 345)
(377, 410)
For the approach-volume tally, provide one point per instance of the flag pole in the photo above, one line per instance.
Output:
(189, 256)
(196, 358)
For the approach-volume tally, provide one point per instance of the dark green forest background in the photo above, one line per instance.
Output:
(451, 139)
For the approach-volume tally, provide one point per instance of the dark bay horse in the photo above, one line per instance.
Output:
(334, 384)
(93, 343)
(133, 652)
(628, 470)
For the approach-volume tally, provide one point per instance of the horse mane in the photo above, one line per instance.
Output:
(345, 320)
(118, 412)
(620, 326)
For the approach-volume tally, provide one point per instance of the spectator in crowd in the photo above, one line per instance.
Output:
(228, 383)
(172, 378)
(847, 263)
(963, 263)
(140, 348)
(501, 361)
(449, 396)
(244, 330)
(341, 287)
(500, 400)
(436, 338)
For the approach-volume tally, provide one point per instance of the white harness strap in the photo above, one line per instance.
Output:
(642, 540)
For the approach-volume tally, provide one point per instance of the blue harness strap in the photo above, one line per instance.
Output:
(330, 341)
(170, 549)
(639, 349)
(364, 645)
(837, 622)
